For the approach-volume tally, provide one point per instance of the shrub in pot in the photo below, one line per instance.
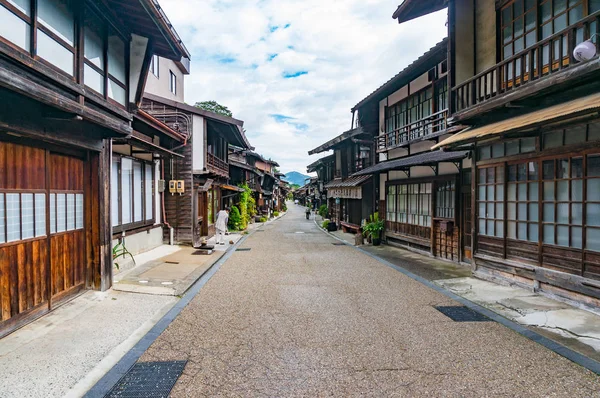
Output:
(373, 229)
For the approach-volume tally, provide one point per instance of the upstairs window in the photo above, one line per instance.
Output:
(173, 83)
(154, 65)
(105, 59)
(16, 22)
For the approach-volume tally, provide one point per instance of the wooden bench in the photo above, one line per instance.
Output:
(349, 227)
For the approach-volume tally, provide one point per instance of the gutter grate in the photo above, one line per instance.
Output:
(339, 244)
(148, 380)
(462, 314)
(244, 249)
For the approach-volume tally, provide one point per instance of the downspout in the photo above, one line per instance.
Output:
(164, 211)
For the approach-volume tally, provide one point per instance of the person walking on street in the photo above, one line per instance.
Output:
(221, 225)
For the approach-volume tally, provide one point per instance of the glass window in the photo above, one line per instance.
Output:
(173, 83)
(57, 16)
(22, 5)
(70, 212)
(93, 36)
(52, 213)
(490, 204)
(27, 216)
(116, 92)
(114, 193)
(40, 214)
(93, 79)
(154, 65)
(116, 58)
(14, 29)
(137, 192)
(445, 199)
(13, 217)
(126, 190)
(149, 190)
(55, 53)
(79, 211)
(61, 212)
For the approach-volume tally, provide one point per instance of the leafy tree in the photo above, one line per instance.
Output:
(235, 219)
(214, 106)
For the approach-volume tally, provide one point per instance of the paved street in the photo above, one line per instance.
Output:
(299, 316)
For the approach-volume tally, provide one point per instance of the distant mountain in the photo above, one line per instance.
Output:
(293, 177)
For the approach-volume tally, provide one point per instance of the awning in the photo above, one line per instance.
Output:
(152, 148)
(232, 188)
(411, 9)
(348, 182)
(421, 159)
(529, 121)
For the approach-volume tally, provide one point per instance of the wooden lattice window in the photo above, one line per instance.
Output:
(491, 201)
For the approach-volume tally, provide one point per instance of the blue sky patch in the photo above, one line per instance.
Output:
(271, 57)
(291, 75)
(289, 120)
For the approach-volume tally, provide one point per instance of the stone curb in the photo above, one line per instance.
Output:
(110, 379)
(580, 359)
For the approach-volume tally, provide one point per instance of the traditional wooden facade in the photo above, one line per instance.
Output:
(203, 167)
(422, 193)
(351, 199)
(325, 169)
(532, 111)
(71, 74)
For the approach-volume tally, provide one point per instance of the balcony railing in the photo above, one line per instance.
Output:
(544, 58)
(428, 127)
(217, 165)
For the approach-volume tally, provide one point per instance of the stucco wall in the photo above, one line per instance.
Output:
(485, 14)
(465, 59)
(161, 85)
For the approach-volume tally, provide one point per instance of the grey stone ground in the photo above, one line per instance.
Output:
(298, 316)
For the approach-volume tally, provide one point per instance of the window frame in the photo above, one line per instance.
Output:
(155, 65)
(172, 82)
(145, 222)
(79, 9)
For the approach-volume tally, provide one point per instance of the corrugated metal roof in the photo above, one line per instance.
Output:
(421, 159)
(525, 122)
(348, 182)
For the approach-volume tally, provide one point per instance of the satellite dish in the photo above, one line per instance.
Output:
(585, 51)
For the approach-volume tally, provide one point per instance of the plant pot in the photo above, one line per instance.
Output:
(331, 227)
(376, 241)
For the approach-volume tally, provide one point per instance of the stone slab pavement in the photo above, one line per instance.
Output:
(297, 315)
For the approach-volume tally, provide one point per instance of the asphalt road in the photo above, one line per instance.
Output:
(299, 316)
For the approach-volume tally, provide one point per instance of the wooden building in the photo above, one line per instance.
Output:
(351, 198)
(71, 74)
(325, 169)
(423, 194)
(202, 169)
(532, 111)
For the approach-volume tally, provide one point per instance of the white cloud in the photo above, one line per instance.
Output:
(347, 47)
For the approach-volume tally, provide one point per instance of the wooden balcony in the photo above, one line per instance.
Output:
(546, 58)
(429, 127)
(216, 165)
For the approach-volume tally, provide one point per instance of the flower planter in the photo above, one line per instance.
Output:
(376, 241)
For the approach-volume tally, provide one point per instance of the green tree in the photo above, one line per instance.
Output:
(214, 106)
(235, 219)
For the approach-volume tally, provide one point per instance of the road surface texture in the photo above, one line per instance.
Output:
(299, 316)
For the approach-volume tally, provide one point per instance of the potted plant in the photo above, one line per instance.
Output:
(373, 229)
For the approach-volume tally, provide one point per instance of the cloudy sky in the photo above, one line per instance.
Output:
(293, 69)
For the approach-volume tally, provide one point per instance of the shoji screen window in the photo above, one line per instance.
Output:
(94, 68)
(391, 204)
(592, 231)
(563, 202)
(56, 33)
(523, 202)
(490, 200)
(22, 216)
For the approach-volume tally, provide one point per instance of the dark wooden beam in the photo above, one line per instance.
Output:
(15, 82)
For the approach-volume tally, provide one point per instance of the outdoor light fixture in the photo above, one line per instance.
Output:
(586, 50)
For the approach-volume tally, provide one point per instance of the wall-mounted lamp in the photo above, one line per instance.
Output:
(586, 50)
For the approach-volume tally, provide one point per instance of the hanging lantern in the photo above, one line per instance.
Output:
(585, 51)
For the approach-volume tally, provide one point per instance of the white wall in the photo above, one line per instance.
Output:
(161, 85)
(198, 155)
